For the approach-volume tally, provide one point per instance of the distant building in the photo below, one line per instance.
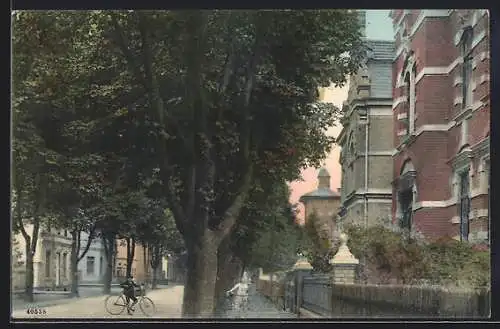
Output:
(323, 202)
(52, 259)
(366, 139)
(141, 264)
(441, 122)
(92, 267)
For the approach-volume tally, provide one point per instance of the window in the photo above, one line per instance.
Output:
(100, 265)
(409, 83)
(47, 263)
(466, 50)
(64, 265)
(406, 198)
(464, 205)
(90, 265)
(65, 233)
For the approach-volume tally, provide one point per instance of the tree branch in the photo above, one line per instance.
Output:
(89, 242)
(232, 213)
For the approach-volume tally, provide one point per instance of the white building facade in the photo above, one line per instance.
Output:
(92, 267)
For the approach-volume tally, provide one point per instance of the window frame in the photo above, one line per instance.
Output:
(464, 203)
(48, 258)
(409, 76)
(467, 69)
(93, 265)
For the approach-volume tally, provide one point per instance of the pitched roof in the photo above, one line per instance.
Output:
(320, 193)
(380, 49)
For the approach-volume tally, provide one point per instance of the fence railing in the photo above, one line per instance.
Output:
(274, 290)
(320, 297)
(317, 294)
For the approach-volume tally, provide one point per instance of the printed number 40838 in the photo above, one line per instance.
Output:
(34, 310)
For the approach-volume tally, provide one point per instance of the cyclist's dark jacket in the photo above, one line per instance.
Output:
(129, 285)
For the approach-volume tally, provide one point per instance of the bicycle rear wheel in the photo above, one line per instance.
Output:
(115, 305)
(147, 306)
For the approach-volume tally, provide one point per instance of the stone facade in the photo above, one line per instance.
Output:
(441, 122)
(366, 139)
(92, 267)
(323, 202)
(141, 265)
(52, 259)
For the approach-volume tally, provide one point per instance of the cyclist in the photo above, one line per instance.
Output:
(129, 286)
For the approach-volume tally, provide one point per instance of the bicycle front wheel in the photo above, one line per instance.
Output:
(147, 306)
(115, 305)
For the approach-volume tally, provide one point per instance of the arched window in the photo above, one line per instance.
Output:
(466, 52)
(409, 82)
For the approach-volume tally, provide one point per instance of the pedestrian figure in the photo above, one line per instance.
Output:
(240, 293)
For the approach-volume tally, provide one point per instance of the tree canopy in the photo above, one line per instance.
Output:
(127, 113)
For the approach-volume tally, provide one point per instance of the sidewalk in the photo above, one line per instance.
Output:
(259, 307)
(168, 305)
(168, 302)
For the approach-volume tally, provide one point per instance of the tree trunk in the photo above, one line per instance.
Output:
(145, 261)
(109, 245)
(154, 281)
(74, 263)
(199, 289)
(130, 255)
(155, 258)
(226, 276)
(29, 279)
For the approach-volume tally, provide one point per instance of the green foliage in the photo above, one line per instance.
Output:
(119, 114)
(318, 246)
(393, 256)
(266, 234)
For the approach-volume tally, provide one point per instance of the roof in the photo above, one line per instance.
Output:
(380, 49)
(323, 173)
(320, 193)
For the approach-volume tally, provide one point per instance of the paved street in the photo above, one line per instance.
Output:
(168, 303)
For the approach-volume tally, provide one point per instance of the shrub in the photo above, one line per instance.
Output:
(391, 255)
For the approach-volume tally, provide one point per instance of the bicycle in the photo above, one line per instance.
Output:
(146, 305)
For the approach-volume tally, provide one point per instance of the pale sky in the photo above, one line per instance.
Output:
(378, 27)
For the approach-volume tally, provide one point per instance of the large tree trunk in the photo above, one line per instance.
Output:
(227, 274)
(199, 288)
(109, 244)
(29, 279)
(155, 257)
(145, 263)
(75, 245)
(130, 255)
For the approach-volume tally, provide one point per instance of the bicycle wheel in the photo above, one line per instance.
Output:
(147, 306)
(115, 305)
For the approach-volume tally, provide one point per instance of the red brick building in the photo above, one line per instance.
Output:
(441, 112)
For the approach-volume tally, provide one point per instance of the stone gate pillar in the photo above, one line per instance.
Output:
(301, 268)
(345, 265)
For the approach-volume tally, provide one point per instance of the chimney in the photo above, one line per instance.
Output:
(323, 179)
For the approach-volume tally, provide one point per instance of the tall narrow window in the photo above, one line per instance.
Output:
(406, 200)
(100, 266)
(466, 50)
(409, 80)
(464, 205)
(90, 265)
(64, 265)
(48, 256)
(408, 100)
